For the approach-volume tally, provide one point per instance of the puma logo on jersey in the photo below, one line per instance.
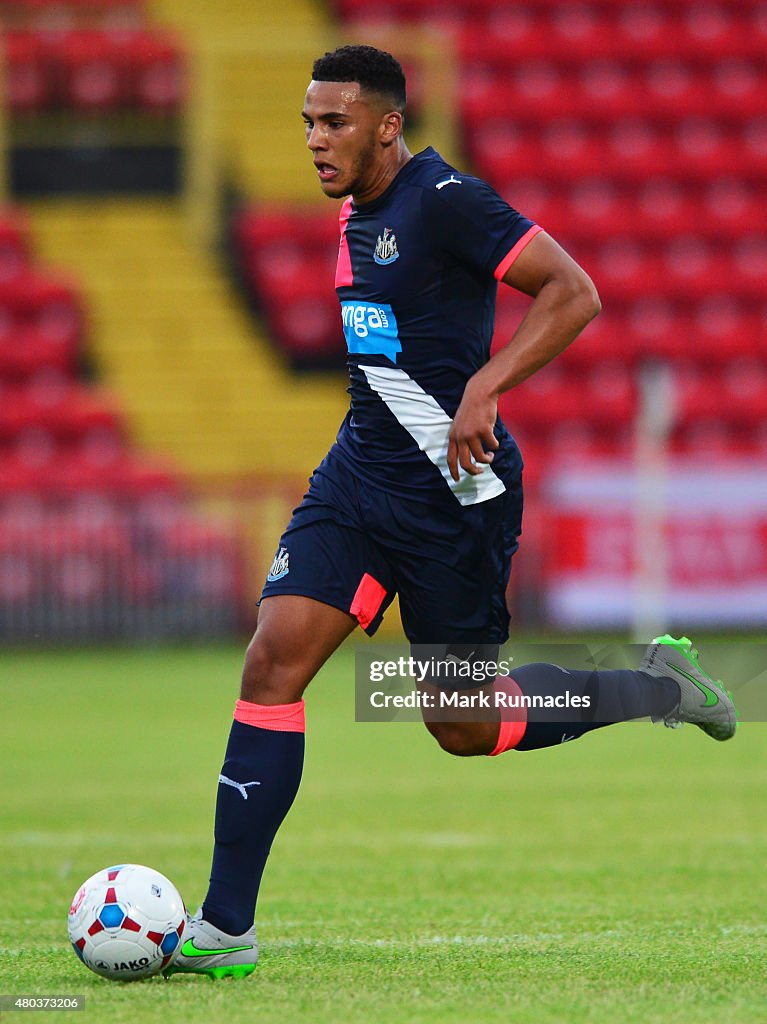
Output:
(452, 180)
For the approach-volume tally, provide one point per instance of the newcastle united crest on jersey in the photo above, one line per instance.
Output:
(280, 566)
(386, 248)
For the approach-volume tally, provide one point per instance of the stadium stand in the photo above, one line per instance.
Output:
(94, 96)
(197, 381)
(251, 61)
(99, 57)
(97, 539)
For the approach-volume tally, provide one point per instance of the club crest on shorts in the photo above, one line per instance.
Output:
(280, 566)
(386, 251)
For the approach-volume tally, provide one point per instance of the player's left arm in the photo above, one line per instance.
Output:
(564, 301)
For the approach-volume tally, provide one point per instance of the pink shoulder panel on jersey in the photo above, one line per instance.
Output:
(344, 272)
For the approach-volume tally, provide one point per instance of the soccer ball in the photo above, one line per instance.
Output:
(126, 922)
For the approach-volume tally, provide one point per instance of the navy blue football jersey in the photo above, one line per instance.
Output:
(417, 276)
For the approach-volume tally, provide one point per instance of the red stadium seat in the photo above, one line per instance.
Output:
(600, 90)
(740, 84)
(511, 307)
(96, 71)
(604, 339)
(283, 257)
(157, 72)
(25, 351)
(284, 270)
(93, 75)
(95, 11)
(683, 268)
(732, 205)
(546, 398)
(710, 439)
(56, 406)
(28, 81)
(76, 472)
(598, 209)
(665, 208)
(581, 441)
(289, 259)
(724, 329)
(641, 29)
(592, 209)
(68, 481)
(147, 476)
(309, 331)
(610, 394)
(501, 151)
(634, 151)
(629, 32)
(62, 15)
(744, 384)
(654, 329)
(14, 244)
(87, 409)
(43, 301)
(736, 397)
(257, 227)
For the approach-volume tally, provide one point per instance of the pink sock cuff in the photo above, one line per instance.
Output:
(513, 720)
(277, 717)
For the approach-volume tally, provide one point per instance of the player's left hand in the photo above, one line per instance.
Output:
(471, 442)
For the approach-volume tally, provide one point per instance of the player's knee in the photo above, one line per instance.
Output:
(256, 671)
(462, 739)
(266, 679)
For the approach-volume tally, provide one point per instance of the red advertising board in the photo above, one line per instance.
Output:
(709, 524)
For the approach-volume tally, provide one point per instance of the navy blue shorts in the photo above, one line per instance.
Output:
(354, 546)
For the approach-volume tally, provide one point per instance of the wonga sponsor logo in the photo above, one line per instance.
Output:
(371, 329)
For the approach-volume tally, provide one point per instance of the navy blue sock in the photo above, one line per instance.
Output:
(615, 695)
(257, 785)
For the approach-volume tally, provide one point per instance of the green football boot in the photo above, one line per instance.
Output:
(207, 950)
(703, 701)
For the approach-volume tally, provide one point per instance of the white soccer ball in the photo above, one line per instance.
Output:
(126, 922)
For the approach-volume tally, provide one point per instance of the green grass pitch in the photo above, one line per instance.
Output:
(618, 879)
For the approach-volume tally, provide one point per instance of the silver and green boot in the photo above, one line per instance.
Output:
(703, 701)
(209, 951)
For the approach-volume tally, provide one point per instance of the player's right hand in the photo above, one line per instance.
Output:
(472, 440)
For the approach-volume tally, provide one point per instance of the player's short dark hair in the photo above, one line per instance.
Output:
(374, 69)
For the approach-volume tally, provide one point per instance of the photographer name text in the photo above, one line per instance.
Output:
(456, 699)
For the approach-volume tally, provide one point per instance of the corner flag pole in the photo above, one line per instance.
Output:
(655, 420)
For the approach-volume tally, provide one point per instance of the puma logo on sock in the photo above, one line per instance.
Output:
(241, 787)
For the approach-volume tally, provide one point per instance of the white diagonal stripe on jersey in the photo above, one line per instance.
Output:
(429, 426)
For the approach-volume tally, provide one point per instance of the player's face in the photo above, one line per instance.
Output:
(343, 129)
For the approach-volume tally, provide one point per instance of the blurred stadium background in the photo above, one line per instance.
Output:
(171, 359)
